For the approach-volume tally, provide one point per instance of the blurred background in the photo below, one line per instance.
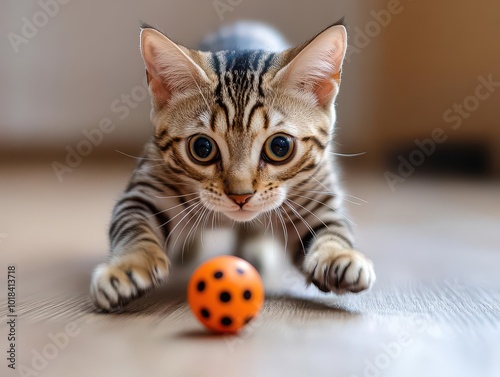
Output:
(420, 99)
(409, 63)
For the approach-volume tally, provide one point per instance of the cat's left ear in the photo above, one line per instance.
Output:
(170, 68)
(315, 67)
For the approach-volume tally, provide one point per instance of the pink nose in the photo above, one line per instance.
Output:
(240, 199)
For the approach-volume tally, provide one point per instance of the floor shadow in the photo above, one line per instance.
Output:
(200, 334)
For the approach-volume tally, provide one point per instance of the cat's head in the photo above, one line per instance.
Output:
(243, 127)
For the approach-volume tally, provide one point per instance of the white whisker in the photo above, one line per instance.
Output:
(191, 208)
(328, 193)
(296, 230)
(193, 230)
(139, 158)
(333, 195)
(176, 196)
(185, 225)
(311, 230)
(347, 154)
(285, 232)
(168, 209)
(329, 189)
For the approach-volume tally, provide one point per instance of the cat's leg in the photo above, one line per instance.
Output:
(137, 261)
(329, 260)
(260, 249)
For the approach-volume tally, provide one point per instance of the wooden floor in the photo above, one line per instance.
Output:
(434, 311)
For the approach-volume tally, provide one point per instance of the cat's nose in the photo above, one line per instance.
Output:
(240, 199)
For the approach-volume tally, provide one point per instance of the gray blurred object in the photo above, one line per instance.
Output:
(245, 35)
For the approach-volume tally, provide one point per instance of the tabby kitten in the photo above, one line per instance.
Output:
(239, 136)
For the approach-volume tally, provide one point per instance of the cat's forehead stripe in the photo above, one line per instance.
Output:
(239, 92)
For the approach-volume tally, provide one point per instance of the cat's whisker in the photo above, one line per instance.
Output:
(320, 202)
(325, 193)
(193, 230)
(203, 223)
(347, 154)
(327, 187)
(270, 224)
(266, 222)
(177, 181)
(213, 219)
(285, 232)
(177, 196)
(334, 209)
(321, 183)
(262, 214)
(311, 230)
(140, 158)
(177, 205)
(295, 227)
(355, 197)
(190, 208)
(204, 226)
(177, 177)
(156, 166)
(272, 227)
(180, 213)
(198, 209)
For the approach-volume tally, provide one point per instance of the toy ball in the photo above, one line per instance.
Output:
(225, 293)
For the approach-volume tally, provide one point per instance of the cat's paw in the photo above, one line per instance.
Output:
(339, 271)
(127, 277)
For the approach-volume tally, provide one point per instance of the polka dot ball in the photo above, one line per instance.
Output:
(225, 293)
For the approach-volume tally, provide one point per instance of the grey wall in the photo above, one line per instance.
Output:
(397, 85)
(67, 76)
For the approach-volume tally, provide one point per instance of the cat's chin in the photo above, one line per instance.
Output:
(242, 215)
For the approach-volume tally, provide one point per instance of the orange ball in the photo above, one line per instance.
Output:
(225, 293)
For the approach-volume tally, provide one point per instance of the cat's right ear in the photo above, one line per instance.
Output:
(170, 69)
(314, 68)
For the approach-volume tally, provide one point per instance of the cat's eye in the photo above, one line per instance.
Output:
(278, 148)
(203, 149)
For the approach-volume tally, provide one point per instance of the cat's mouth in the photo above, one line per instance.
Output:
(242, 215)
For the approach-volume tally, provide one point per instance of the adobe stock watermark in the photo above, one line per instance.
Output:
(122, 108)
(223, 6)
(455, 116)
(31, 25)
(391, 351)
(57, 343)
(380, 19)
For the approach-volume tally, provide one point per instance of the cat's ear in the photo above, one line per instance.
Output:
(315, 67)
(170, 68)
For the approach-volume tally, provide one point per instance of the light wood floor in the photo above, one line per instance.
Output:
(434, 311)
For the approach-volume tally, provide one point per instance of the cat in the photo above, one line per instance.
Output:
(240, 135)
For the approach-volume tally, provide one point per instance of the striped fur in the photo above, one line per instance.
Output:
(239, 99)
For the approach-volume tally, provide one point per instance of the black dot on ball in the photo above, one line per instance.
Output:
(201, 286)
(247, 295)
(218, 274)
(226, 321)
(240, 271)
(205, 313)
(225, 296)
(248, 319)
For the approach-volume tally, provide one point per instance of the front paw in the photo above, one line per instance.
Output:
(339, 271)
(127, 277)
